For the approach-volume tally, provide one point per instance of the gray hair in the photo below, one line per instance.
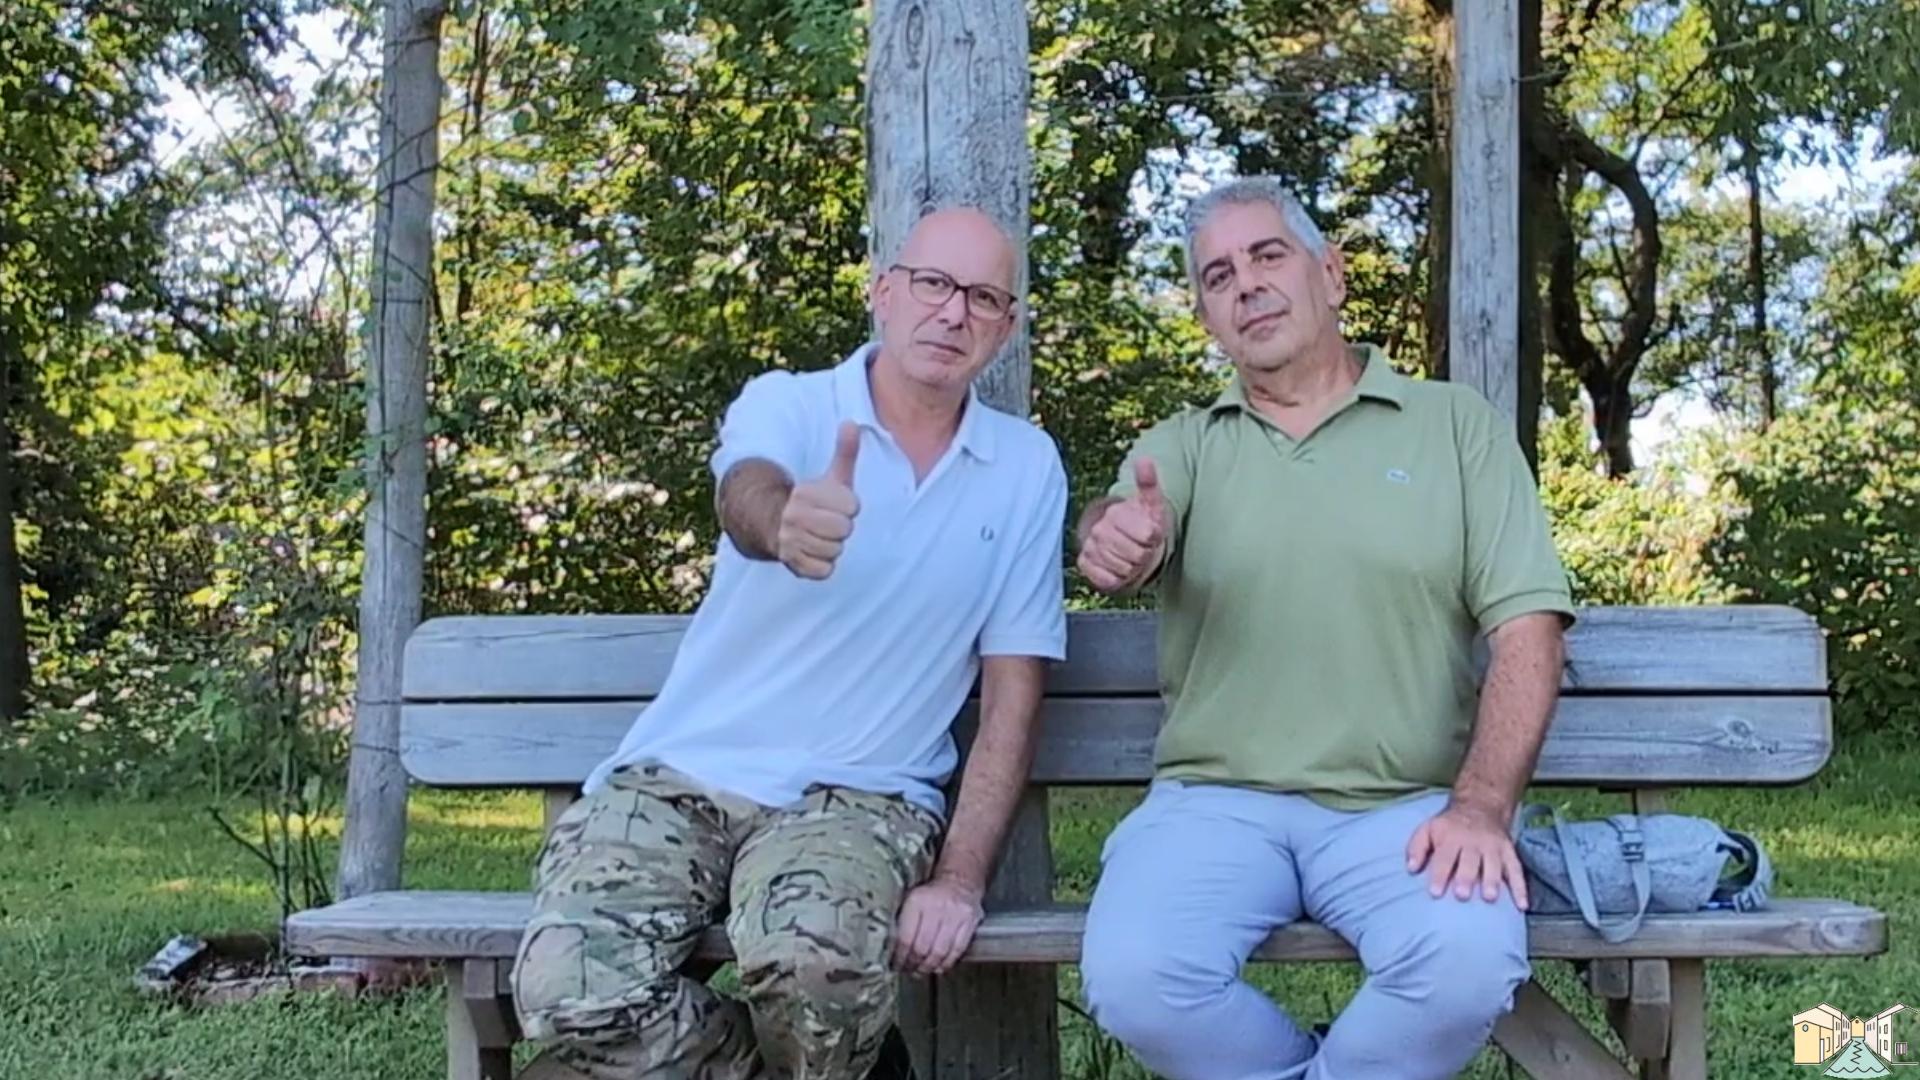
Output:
(1250, 189)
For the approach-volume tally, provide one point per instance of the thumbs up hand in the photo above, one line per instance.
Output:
(1129, 537)
(818, 515)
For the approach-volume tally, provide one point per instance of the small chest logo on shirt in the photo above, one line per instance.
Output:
(986, 533)
(1399, 476)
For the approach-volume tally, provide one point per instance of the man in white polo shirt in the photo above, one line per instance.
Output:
(887, 538)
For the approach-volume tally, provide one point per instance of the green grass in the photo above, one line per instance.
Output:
(88, 891)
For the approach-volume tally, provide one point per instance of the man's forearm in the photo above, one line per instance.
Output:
(997, 771)
(749, 502)
(1516, 705)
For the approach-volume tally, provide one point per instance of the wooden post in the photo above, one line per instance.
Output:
(947, 123)
(554, 802)
(1484, 321)
(396, 450)
(947, 94)
(947, 110)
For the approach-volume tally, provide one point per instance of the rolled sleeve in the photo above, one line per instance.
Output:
(1028, 617)
(768, 421)
(1512, 567)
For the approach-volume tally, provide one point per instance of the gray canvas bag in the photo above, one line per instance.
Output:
(1627, 865)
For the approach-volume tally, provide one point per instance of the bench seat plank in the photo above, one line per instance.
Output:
(1613, 742)
(461, 925)
(1748, 648)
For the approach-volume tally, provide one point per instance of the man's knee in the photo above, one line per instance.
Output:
(832, 976)
(817, 1003)
(1142, 992)
(1462, 969)
(571, 980)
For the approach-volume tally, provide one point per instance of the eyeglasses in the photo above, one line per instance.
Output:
(932, 287)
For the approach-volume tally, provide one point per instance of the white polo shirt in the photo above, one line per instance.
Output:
(782, 682)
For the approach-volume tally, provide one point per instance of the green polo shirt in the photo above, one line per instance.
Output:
(1320, 598)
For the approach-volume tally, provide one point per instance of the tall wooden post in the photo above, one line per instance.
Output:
(947, 95)
(1484, 319)
(396, 448)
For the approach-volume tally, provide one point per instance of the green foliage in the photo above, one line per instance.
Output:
(645, 204)
(1818, 511)
(1833, 490)
(1641, 539)
(1835, 507)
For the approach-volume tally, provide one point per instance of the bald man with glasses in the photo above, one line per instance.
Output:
(887, 538)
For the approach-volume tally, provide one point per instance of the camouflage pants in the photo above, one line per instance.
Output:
(631, 875)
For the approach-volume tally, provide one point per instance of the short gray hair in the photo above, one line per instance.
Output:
(1250, 189)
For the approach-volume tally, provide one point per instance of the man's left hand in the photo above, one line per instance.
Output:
(936, 925)
(1467, 847)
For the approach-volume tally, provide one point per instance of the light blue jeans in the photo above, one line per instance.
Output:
(1198, 875)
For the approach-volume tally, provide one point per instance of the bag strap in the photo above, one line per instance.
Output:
(1749, 889)
(1633, 849)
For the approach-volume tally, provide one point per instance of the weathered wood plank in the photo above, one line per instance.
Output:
(1746, 648)
(1483, 339)
(1623, 742)
(431, 925)
(1545, 1040)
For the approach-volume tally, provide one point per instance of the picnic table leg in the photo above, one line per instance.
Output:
(480, 1024)
(1687, 1053)
(1541, 1037)
(1639, 1004)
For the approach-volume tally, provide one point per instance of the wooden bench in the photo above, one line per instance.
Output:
(1653, 699)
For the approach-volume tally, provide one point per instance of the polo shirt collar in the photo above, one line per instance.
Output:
(853, 399)
(1378, 381)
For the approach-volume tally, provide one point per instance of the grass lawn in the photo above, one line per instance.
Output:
(88, 891)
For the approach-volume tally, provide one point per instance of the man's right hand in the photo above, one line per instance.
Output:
(818, 515)
(1130, 536)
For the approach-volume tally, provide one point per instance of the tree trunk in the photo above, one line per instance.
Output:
(468, 231)
(1440, 189)
(1613, 422)
(1606, 373)
(1757, 285)
(16, 674)
(1537, 185)
(402, 293)
(947, 94)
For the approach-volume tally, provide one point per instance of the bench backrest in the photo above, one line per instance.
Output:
(1651, 697)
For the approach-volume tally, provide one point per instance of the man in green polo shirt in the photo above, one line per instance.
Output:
(1327, 540)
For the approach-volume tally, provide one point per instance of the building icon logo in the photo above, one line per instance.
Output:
(1854, 1046)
